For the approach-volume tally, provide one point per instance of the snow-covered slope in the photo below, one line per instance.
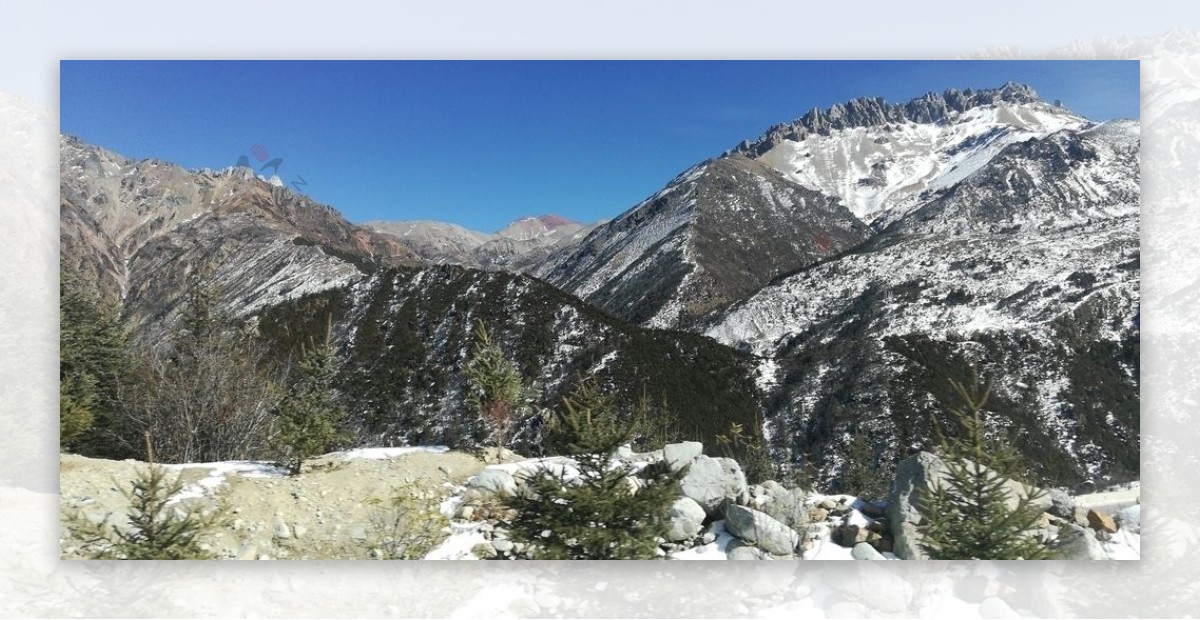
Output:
(1028, 267)
(882, 159)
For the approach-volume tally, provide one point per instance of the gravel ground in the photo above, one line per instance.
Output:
(332, 511)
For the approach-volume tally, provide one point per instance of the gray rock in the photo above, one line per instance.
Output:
(1076, 542)
(281, 528)
(495, 481)
(738, 550)
(686, 518)
(502, 545)
(678, 455)
(864, 551)
(299, 530)
(713, 481)
(358, 532)
(914, 474)
(759, 528)
(1061, 504)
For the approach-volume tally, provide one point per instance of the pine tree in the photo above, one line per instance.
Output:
(862, 476)
(598, 515)
(92, 360)
(495, 389)
(967, 516)
(156, 529)
(308, 416)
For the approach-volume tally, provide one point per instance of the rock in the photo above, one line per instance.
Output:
(248, 551)
(869, 509)
(502, 545)
(914, 474)
(864, 551)
(299, 530)
(678, 455)
(757, 527)
(281, 528)
(818, 514)
(738, 550)
(358, 532)
(1101, 522)
(1079, 543)
(1079, 517)
(1061, 504)
(495, 481)
(850, 535)
(713, 481)
(828, 504)
(686, 518)
(624, 452)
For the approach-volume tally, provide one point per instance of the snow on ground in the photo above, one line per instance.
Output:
(217, 473)
(390, 453)
(714, 550)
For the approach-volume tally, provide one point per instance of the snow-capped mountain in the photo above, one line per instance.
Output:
(1028, 267)
(883, 159)
(514, 248)
(713, 235)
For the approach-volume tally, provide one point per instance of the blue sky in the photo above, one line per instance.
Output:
(483, 143)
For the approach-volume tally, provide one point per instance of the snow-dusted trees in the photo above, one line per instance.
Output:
(308, 417)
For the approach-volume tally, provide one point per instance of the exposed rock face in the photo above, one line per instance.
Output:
(1028, 266)
(712, 236)
(516, 248)
(143, 230)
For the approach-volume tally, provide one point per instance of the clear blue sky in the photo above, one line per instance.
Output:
(483, 143)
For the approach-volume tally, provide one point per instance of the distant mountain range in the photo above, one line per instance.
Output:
(828, 278)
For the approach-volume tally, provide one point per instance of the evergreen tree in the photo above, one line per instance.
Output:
(308, 416)
(495, 389)
(92, 360)
(968, 516)
(599, 514)
(156, 529)
(861, 475)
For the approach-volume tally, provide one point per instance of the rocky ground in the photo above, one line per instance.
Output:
(335, 510)
(342, 508)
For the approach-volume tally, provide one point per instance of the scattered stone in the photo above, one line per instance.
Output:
(1076, 542)
(502, 545)
(1061, 504)
(714, 481)
(299, 530)
(864, 551)
(281, 528)
(828, 504)
(1101, 522)
(818, 514)
(756, 527)
(686, 518)
(495, 481)
(738, 550)
(679, 455)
